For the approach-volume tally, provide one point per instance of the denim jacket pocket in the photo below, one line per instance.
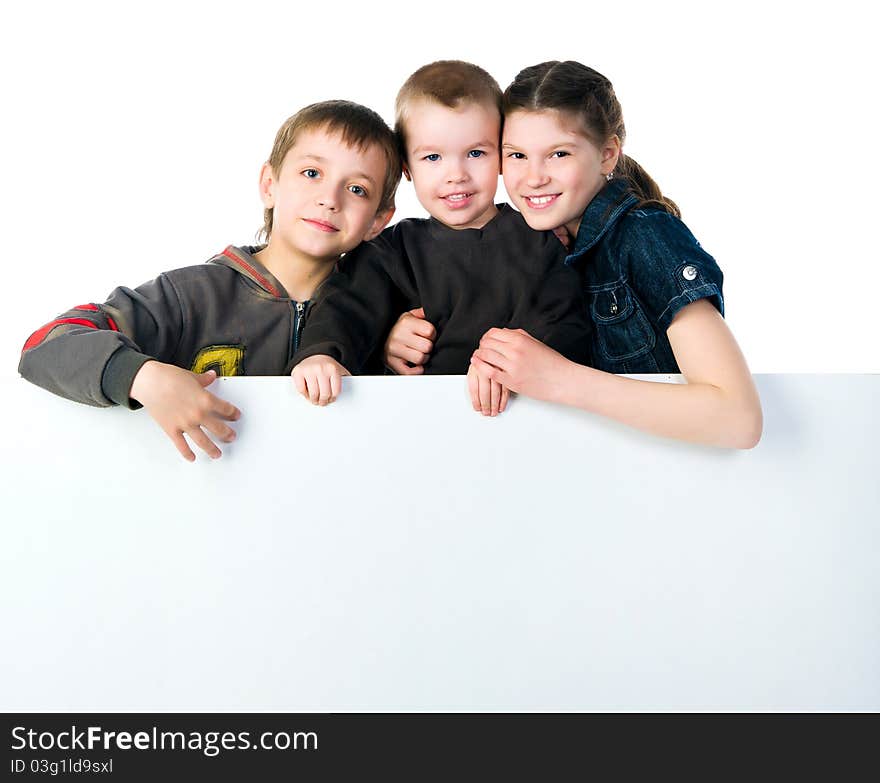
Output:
(622, 330)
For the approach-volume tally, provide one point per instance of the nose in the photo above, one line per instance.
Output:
(328, 199)
(455, 172)
(536, 176)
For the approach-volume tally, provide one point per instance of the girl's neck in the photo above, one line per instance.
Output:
(574, 226)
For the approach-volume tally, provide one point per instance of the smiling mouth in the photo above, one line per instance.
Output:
(457, 200)
(541, 202)
(321, 225)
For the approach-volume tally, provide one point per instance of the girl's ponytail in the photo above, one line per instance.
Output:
(643, 186)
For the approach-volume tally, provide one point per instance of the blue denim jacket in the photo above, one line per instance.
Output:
(639, 268)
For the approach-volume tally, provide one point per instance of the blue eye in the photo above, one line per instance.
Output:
(358, 190)
(433, 157)
(476, 154)
(311, 173)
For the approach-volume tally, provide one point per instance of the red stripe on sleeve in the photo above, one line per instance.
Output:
(37, 337)
(95, 309)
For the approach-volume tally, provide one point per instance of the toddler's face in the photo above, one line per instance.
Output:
(551, 170)
(452, 159)
(326, 195)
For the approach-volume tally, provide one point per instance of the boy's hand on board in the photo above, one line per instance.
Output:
(179, 403)
(488, 396)
(319, 379)
(518, 361)
(410, 343)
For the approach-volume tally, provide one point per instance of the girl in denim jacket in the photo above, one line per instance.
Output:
(654, 294)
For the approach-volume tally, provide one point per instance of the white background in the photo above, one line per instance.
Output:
(133, 135)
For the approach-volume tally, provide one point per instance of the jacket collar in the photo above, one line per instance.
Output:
(607, 207)
(242, 260)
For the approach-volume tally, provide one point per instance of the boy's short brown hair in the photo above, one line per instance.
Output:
(357, 125)
(449, 83)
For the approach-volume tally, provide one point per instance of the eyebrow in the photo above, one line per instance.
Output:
(425, 147)
(320, 159)
(549, 146)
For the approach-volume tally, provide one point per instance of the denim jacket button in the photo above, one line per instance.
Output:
(689, 273)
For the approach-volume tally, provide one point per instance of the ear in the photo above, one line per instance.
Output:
(267, 186)
(406, 173)
(379, 222)
(610, 155)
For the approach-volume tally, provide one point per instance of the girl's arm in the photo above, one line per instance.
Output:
(719, 405)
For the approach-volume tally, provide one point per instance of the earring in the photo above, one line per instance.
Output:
(609, 176)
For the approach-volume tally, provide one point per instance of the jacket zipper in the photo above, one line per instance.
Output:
(298, 324)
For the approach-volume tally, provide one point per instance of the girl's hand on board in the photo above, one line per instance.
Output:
(520, 363)
(410, 343)
(488, 396)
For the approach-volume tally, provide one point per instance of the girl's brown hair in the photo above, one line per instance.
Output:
(587, 95)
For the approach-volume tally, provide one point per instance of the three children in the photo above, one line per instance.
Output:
(486, 290)
(471, 266)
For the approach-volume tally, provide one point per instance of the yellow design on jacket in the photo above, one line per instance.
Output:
(225, 359)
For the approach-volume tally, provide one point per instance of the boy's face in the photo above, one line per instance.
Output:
(453, 161)
(326, 196)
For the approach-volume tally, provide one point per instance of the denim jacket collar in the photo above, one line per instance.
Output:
(607, 207)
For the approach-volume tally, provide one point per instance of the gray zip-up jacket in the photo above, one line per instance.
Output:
(230, 315)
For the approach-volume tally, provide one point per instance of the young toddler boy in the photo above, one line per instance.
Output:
(472, 266)
(329, 184)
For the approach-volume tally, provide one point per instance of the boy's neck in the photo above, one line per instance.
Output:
(484, 220)
(298, 273)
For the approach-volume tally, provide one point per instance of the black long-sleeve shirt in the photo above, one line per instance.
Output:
(467, 281)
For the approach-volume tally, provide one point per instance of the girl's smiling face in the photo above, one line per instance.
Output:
(551, 169)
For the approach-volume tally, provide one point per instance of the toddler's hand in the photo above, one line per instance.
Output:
(319, 379)
(179, 403)
(410, 342)
(487, 396)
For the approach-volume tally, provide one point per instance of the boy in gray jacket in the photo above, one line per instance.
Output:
(328, 185)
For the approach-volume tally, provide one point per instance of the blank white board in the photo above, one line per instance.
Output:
(396, 550)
